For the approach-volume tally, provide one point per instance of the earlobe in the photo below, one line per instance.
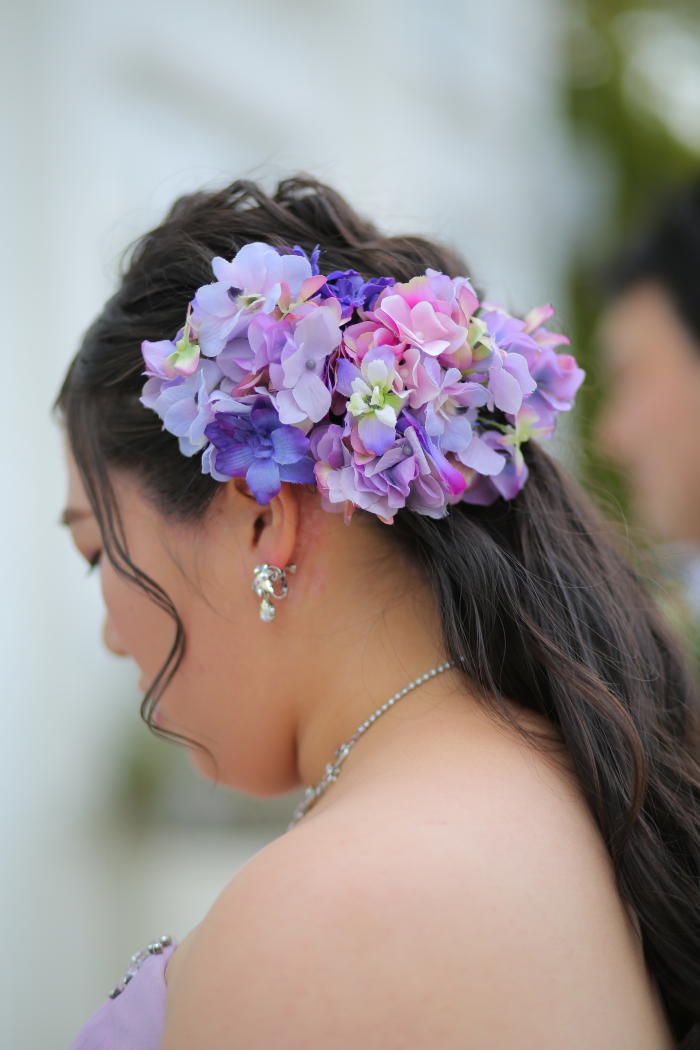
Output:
(275, 529)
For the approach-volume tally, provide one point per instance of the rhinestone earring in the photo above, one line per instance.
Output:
(264, 580)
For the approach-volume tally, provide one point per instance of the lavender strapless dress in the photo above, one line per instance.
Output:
(133, 1017)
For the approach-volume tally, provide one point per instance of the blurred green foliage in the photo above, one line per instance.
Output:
(645, 162)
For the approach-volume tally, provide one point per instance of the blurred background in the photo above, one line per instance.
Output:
(531, 134)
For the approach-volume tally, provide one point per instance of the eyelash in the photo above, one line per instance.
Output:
(94, 561)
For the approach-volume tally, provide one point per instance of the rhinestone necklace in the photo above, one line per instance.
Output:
(313, 794)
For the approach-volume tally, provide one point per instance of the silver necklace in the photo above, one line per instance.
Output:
(313, 794)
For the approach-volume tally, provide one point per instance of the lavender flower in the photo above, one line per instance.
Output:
(187, 405)
(411, 473)
(259, 448)
(451, 411)
(302, 392)
(249, 284)
(373, 398)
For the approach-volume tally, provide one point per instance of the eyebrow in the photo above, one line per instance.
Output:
(70, 515)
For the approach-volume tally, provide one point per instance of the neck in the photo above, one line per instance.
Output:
(375, 663)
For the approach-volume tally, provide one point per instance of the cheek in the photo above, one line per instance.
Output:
(145, 631)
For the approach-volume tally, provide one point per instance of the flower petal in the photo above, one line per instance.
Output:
(236, 359)
(456, 435)
(481, 457)
(288, 409)
(288, 444)
(214, 299)
(235, 461)
(318, 333)
(151, 392)
(154, 355)
(505, 390)
(517, 366)
(313, 396)
(180, 417)
(264, 416)
(263, 480)
(347, 374)
(375, 435)
(301, 472)
(509, 482)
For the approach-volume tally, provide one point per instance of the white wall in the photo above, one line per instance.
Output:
(440, 117)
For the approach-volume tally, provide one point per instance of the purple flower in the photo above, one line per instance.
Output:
(299, 376)
(412, 473)
(373, 399)
(451, 479)
(236, 359)
(352, 292)
(383, 484)
(408, 383)
(261, 449)
(509, 335)
(485, 490)
(250, 284)
(187, 405)
(558, 378)
(312, 260)
(509, 382)
(449, 413)
(327, 445)
(480, 454)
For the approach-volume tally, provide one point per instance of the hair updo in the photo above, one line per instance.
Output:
(537, 605)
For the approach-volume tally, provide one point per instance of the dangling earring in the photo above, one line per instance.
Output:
(264, 579)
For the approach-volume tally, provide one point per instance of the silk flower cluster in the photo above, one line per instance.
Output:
(384, 395)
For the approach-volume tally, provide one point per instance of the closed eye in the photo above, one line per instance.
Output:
(94, 561)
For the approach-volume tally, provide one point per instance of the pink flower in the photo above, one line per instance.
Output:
(414, 314)
(360, 338)
(457, 292)
(558, 378)
(537, 317)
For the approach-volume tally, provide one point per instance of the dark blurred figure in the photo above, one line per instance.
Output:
(651, 341)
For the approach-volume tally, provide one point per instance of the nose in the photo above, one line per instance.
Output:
(111, 639)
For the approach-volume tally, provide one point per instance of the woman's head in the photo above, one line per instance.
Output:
(526, 595)
(192, 542)
(651, 340)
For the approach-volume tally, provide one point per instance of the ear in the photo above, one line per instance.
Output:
(275, 528)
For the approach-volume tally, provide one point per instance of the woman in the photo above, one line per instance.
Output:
(507, 851)
(651, 340)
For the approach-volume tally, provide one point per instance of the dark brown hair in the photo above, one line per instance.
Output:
(537, 604)
(666, 252)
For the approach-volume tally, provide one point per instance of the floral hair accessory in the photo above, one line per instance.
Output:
(383, 395)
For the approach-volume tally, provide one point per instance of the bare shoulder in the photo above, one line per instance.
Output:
(467, 907)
